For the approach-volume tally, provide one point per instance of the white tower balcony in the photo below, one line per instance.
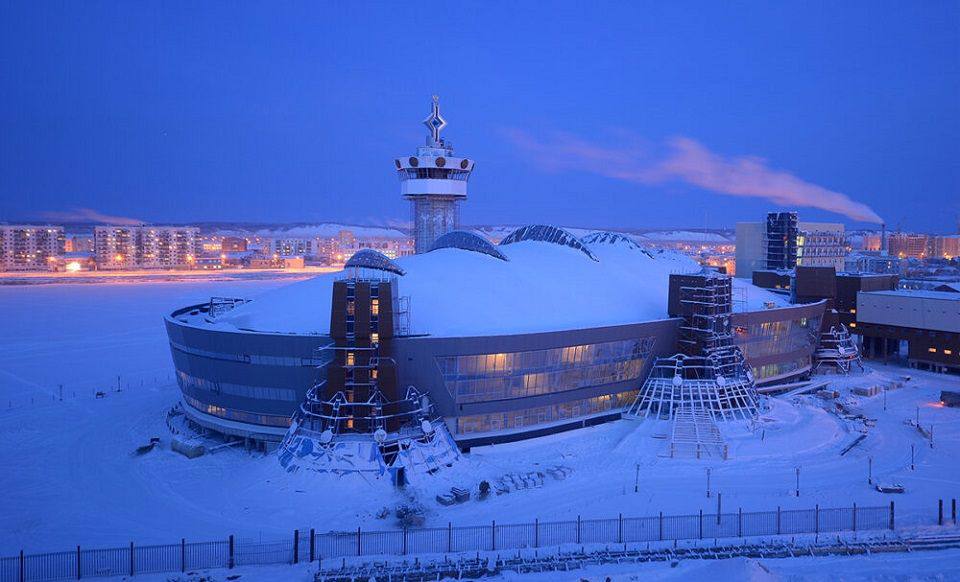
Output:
(435, 181)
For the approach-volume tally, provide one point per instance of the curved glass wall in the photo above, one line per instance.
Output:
(514, 419)
(773, 338)
(487, 377)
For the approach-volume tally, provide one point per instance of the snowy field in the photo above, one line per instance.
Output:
(70, 476)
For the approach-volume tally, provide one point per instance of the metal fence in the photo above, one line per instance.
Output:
(309, 545)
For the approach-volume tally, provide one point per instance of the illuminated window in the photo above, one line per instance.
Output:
(375, 338)
(948, 352)
(852, 324)
(932, 350)
(350, 358)
(375, 307)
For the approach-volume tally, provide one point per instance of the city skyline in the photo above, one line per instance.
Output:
(137, 113)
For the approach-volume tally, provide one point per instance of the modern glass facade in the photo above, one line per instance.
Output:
(487, 377)
(773, 338)
(238, 415)
(516, 419)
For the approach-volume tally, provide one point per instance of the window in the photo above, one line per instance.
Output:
(375, 338)
(350, 358)
(932, 350)
(375, 307)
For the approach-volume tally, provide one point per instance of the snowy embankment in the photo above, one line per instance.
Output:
(72, 477)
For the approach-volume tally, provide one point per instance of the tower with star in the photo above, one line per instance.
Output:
(435, 182)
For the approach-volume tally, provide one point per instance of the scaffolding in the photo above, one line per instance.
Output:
(710, 375)
(837, 350)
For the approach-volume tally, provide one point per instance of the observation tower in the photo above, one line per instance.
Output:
(435, 182)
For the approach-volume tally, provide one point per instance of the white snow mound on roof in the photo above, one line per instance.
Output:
(458, 293)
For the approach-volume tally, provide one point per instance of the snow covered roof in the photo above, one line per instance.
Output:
(543, 287)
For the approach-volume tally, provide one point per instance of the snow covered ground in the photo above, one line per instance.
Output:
(70, 475)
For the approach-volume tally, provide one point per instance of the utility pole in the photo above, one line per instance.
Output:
(870, 470)
(798, 481)
(708, 482)
(636, 481)
(912, 451)
(61, 392)
(118, 382)
(884, 398)
(918, 417)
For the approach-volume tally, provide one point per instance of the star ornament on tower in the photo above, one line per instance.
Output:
(435, 122)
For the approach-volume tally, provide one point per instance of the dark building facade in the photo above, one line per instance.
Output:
(781, 240)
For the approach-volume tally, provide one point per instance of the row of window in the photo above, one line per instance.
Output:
(536, 383)
(258, 359)
(529, 417)
(485, 377)
(483, 365)
(239, 415)
(777, 337)
(193, 383)
(780, 369)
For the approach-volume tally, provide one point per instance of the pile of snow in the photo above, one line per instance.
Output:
(453, 292)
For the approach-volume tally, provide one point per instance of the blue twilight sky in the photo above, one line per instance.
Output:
(626, 114)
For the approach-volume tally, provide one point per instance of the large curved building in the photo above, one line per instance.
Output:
(543, 332)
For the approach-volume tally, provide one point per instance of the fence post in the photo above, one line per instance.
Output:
(183, 554)
(661, 526)
(940, 513)
(891, 515)
(620, 529)
(816, 519)
(313, 543)
(131, 558)
(778, 520)
(739, 522)
(359, 543)
(701, 524)
(719, 497)
(78, 563)
(404, 540)
(230, 559)
(854, 517)
(22, 570)
(296, 546)
(578, 529)
(536, 532)
(493, 535)
(449, 537)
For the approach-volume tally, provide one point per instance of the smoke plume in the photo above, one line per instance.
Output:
(89, 215)
(685, 160)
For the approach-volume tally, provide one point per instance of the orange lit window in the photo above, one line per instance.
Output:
(853, 324)
(932, 350)
(350, 358)
(374, 307)
(948, 352)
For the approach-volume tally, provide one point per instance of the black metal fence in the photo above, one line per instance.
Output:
(309, 545)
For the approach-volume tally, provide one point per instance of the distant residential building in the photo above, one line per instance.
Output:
(872, 242)
(30, 248)
(945, 247)
(873, 262)
(907, 246)
(146, 247)
(233, 244)
(293, 247)
(821, 244)
(751, 255)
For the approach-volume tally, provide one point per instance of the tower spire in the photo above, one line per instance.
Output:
(435, 123)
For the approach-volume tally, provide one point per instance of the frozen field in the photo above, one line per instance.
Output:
(70, 477)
